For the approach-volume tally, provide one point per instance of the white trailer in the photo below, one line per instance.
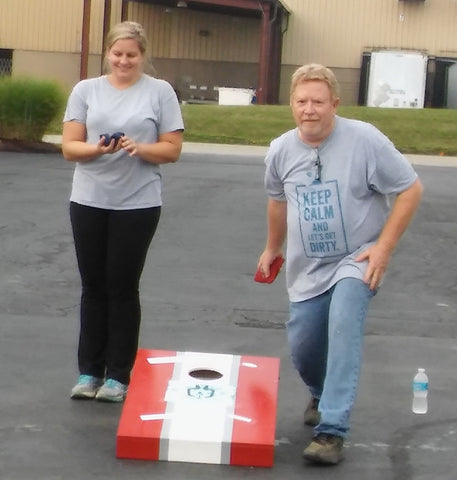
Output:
(397, 79)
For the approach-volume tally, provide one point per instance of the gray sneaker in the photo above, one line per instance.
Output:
(86, 388)
(312, 416)
(325, 448)
(112, 391)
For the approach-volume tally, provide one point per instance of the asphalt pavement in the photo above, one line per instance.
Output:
(198, 294)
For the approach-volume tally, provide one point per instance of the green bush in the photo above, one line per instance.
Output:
(28, 106)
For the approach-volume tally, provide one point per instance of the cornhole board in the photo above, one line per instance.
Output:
(200, 408)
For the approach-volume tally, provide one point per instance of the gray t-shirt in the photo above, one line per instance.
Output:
(330, 221)
(143, 112)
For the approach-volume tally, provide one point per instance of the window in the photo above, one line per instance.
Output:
(6, 61)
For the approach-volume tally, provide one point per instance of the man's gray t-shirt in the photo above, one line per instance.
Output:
(143, 112)
(329, 222)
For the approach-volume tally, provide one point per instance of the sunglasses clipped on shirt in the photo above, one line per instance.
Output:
(318, 165)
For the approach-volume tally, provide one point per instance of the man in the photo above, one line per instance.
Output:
(329, 183)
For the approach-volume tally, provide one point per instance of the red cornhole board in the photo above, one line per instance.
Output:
(200, 408)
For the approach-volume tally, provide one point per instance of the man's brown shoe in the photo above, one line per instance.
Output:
(312, 416)
(325, 449)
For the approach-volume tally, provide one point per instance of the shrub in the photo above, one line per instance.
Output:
(28, 106)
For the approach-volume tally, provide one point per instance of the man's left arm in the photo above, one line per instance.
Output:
(378, 255)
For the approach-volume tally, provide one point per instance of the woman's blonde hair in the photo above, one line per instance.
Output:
(133, 30)
(125, 30)
(315, 71)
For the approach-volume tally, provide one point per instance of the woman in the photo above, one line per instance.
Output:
(115, 202)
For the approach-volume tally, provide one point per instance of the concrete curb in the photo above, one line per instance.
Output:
(255, 150)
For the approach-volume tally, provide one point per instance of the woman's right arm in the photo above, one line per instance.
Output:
(76, 149)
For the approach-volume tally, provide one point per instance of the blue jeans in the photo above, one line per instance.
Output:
(325, 335)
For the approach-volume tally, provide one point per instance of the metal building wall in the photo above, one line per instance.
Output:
(337, 32)
(189, 47)
(51, 25)
(46, 38)
(198, 52)
(55, 26)
(179, 33)
(25, 24)
(334, 32)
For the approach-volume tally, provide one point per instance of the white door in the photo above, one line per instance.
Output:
(452, 86)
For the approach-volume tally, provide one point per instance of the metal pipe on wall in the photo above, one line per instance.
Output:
(83, 69)
(106, 29)
(263, 84)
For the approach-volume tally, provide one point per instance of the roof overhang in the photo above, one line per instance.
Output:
(273, 17)
(250, 8)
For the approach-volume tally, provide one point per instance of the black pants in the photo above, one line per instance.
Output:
(111, 248)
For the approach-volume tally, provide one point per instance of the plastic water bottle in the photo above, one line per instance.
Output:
(420, 391)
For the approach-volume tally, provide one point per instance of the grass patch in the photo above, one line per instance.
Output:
(421, 131)
(250, 125)
(424, 131)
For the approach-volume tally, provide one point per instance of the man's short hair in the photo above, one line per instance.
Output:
(315, 71)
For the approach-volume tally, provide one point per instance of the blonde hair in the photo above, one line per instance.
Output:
(125, 30)
(315, 71)
(134, 31)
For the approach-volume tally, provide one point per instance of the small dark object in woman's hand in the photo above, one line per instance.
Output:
(115, 136)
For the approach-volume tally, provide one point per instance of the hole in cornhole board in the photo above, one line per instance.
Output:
(205, 374)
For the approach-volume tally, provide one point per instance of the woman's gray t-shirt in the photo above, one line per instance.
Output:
(331, 220)
(143, 112)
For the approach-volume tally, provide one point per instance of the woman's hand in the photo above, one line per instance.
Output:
(129, 145)
(167, 149)
(112, 147)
